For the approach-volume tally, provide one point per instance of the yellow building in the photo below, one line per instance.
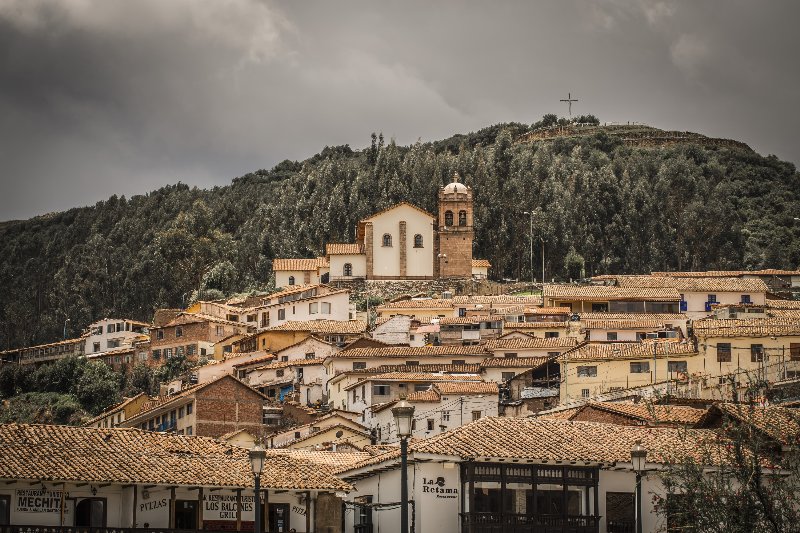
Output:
(740, 353)
(591, 369)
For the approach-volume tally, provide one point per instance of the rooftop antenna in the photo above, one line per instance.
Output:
(569, 99)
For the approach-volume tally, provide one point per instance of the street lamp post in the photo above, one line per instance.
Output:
(530, 213)
(403, 417)
(257, 457)
(638, 460)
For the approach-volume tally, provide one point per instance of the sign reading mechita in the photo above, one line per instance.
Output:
(38, 501)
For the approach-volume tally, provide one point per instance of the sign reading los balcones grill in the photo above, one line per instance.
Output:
(38, 501)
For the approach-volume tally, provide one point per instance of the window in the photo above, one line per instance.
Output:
(96, 347)
(448, 218)
(179, 351)
(156, 355)
(746, 299)
(419, 387)
(167, 352)
(160, 334)
(587, 371)
(456, 362)
(430, 424)
(313, 308)
(462, 218)
(347, 271)
(677, 366)
(611, 336)
(191, 349)
(110, 328)
(476, 415)
(284, 358)
(584, 393)
(220, 331)
(508, 376)
(189, 409)
(281, 314)
(599, 308)
(550, 334)
(794, 351)
(380, 390)
(359, 365)
(189, 431)
(325, 308)
(642, 367)
(510, 355)
(181, 411)
(178, 332)
(756, 353)
(387, 240)
(291, 280)
(724, 352)
(310, 355)
(712, 298)
(445, 416)
(417, 241)
(363, 516)
(279, 373)
(412, 363)
(462, 311)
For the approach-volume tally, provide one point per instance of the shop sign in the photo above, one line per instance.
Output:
(223, 506)
(38, 501)
(438, 487)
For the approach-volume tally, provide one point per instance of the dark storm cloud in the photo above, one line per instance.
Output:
(102, 97)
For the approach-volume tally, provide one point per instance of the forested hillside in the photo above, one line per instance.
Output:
(603, 203)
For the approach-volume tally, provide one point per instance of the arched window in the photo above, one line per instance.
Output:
(387, 239)
(291, 280)
(417, 241)
(348, 270)
(448, 218)
(462, 218)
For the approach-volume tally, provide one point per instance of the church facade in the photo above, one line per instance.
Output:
(400, 242)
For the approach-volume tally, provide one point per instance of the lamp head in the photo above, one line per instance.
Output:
(638, 457)
(257, 458)
(403, 413)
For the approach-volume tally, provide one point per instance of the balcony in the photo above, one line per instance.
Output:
(524, 523)
(87, 529)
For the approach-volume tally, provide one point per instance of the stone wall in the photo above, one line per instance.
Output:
(388, 289)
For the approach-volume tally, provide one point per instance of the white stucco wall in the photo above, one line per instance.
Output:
(696, 301)
(386, 260)
(359, 263)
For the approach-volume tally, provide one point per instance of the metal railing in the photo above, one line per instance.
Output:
(525, 523)
(87, 529)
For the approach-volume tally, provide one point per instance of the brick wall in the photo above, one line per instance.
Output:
(591, 414)
(368, 248)
(228, 405)
(403, 250)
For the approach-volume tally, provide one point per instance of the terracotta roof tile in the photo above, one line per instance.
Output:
(534, 325)
(498, 299)
(296, 362)
(481, 263)
(627, 350)
(477, 319)
(344, 249)
(323, 326)
(747, 327)
(652, 412)
(779, 423)
(415, 376)
(290, 264)
(132, 456)
(606, 293)
(548, 311)
(514, 362)
(425, 303)
(466, 387)
(531, 342)
(783, 304)
(694, 284)
(411, 351)
(429, 395)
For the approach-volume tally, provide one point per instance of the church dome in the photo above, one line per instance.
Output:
(455, 187)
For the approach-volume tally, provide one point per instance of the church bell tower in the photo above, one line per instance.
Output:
(455, 231)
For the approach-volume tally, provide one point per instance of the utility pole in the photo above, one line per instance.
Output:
(530, 213)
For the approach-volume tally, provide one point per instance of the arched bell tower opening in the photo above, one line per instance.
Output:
(455, 231)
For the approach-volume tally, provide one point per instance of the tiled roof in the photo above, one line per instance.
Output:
(426, 303)
(548, 311)
(605, 293)
(559, 440)
(652, 412)
(531, 342)
(414, 376)
(255, 361)
(323, 326)
(296, 362)
(332, 429)
(498, 299)
(431, 368)
(747, 327)
(514, 362)
(164, 316)
(695, 284)
(344, 249)
(477, 319)
(284, 264)
(779, 423)
(534, 325)
(132, 456)
(627, 350)
(783, 304)
(481, 263)
(729, 273)
(652, 323)
(113, 409)
(195, 318)
(663, 317)
(325, 459)
(429, 395)
(450, 387)
(411, 351)
(382, 211)
(561, 414)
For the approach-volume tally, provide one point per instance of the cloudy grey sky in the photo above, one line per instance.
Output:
(101, 97)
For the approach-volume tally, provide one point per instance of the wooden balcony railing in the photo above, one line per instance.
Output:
(79, 529)
(524, 523)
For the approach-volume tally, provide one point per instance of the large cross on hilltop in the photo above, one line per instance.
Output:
(569, 101)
